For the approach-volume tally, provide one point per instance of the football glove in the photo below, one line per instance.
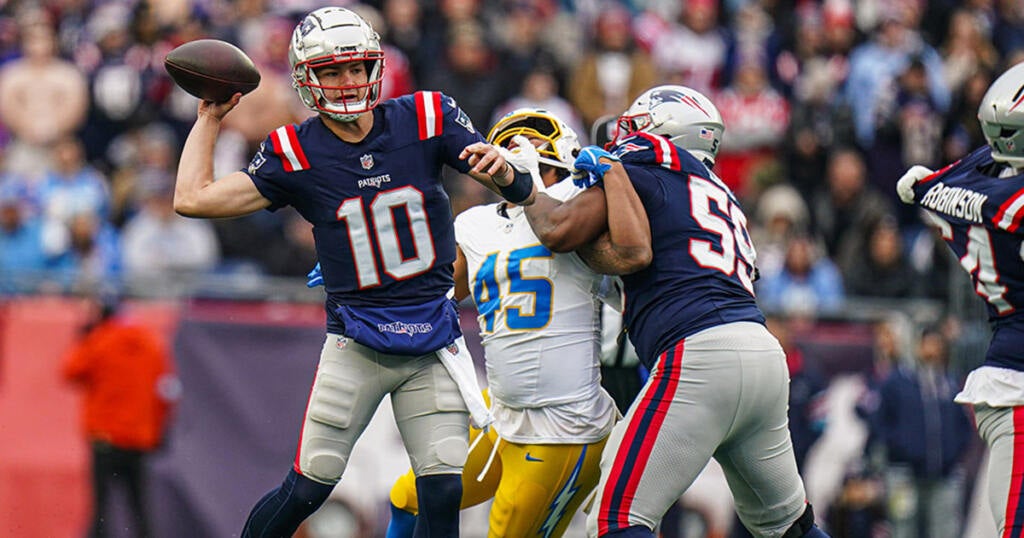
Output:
(905, 186)
(524, 158)
(588, 169)
(315, 277)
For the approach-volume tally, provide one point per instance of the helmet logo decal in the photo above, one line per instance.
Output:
(1017, 103)
(307, 26)
(707, 134)
(660, 96)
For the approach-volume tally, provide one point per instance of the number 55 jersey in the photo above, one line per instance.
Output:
(702, 271)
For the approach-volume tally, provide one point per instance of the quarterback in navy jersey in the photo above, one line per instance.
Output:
(977, 205)
(368, 178)
(719, 383)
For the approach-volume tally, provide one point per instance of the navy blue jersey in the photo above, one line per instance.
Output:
(979, 216)
(381, 218)
(700, 275)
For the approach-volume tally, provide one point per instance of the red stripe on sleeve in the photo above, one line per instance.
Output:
(279, 150)
(293, 138)
(1001, 214)
(421, 113)
(674, 155)
(438, 114)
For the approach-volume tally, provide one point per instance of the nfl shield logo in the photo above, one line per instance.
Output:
(341, 343)
(366, 161)
(453, 348)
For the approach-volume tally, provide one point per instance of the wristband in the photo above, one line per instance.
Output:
(520, 188)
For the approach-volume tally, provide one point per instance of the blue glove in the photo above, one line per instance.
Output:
(315, 277)
(588, 169)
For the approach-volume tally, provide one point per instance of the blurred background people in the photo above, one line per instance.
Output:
(925, 437)
(128, 386)
(43, 97)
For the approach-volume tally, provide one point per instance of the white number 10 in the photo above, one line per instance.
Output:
(382, 210)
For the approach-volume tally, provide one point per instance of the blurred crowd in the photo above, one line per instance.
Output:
(826, 103)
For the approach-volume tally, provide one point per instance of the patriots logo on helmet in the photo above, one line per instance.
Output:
(307, 26)
(661, 96)
(366, 161)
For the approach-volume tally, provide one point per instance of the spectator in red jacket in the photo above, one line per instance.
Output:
(128, 383)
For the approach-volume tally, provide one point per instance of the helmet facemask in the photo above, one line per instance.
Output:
(560, 142)
(336, 36)
(1001, 115)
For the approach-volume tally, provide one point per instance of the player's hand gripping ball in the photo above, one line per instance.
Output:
(588, 169)
(212, 70)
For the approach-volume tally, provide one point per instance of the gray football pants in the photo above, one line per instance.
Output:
(351, 380)
(720, 393)
(1002, 429)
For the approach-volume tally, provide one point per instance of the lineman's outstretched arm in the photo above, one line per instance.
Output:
(567, 226)
(628, 248)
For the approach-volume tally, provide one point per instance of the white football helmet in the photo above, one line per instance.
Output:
(561, 144)
(1001, 114)
(682, 115)
(329, 36)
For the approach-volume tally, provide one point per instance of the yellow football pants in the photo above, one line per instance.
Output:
(536, 488)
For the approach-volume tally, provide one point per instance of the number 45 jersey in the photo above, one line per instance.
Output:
(381, 218)
(539, 320)
(701, 273)
(977, 206)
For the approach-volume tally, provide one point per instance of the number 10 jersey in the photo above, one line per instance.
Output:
(381, 217)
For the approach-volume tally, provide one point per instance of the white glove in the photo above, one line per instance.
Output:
(524, 157)
(905, 186)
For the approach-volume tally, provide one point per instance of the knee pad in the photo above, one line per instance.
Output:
(323, 459)
(447, 456)
(453, 451)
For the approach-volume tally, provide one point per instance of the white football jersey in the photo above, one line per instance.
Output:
(540, 324)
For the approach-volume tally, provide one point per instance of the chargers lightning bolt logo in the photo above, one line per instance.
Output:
(558, 507)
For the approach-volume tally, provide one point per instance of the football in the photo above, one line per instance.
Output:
(212, 69)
